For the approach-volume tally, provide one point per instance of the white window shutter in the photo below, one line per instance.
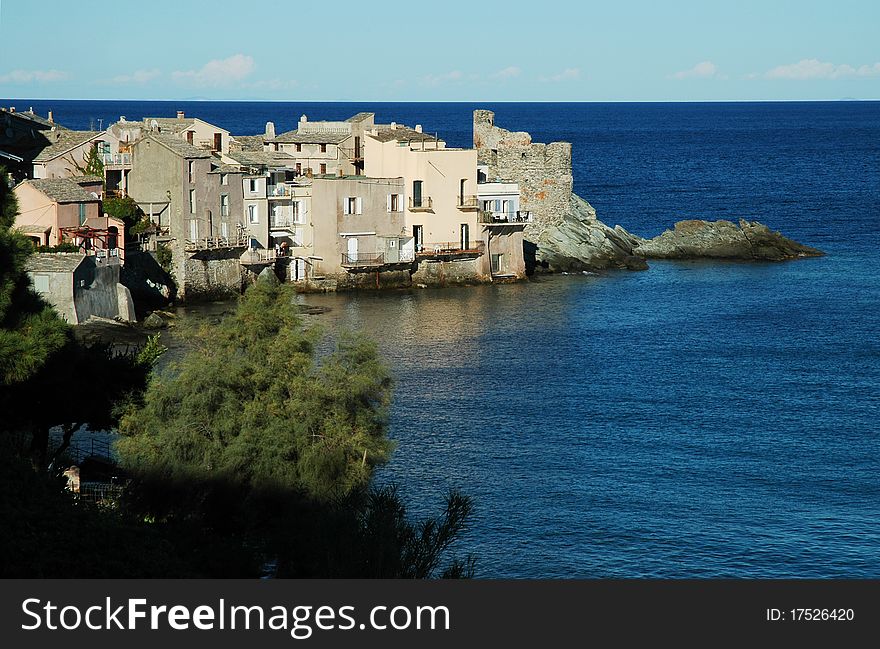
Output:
(388, 203)
(359, 204)
(346, 205)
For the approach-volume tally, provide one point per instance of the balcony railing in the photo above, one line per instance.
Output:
(451, 248)
(520, 216)
(423, 204)
(259, 256)
(286, 221)
(353, 153)
(362, 259)
(468, 203)
(279, 191)
(117, 159)
(215, 243)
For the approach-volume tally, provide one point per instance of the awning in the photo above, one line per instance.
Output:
(280, 233)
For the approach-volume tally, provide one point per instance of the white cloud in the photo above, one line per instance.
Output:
(437, 79)
(568, 74)
(807, 69)
(30, 76)
(219, 72)
(702, 70)
(138, 76)
(507, 73)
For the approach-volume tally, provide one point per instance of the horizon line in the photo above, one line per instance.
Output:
(461, 101)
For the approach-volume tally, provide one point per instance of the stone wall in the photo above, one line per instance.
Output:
(213, 274)
(543, 171)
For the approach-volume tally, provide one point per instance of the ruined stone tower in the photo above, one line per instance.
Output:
(543, 171)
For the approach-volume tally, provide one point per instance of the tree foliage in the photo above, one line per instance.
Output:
(250, 404)
(92, 163)
(124, 208)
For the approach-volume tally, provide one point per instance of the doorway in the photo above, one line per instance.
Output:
(418, 237)
(352, 249)
(465, 237)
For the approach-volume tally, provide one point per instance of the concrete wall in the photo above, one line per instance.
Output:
(63, 166)
(98, 297)
(441, 172)
(333, 228)
(507, 241)
(233, 190)
(35, 208)
(543, 171)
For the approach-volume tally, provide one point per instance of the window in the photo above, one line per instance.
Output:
(323, 148)
(193, 229)
(253, 216)
(192, 201)
(417, 193)
(82, 213)
(191, 166)
(299, 148)
(487, 206)
(354, 205)
(224, 179)
(224, 229)
(252, 185)
(323, 169)
(299, 169)
(394, 202)
(298, 212)
(224, 205)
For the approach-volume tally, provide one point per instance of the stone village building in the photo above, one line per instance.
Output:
(394, 206)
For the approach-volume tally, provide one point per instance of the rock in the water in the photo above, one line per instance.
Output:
(268, 275)
(155, 321)
(697, 239)
(580, 241)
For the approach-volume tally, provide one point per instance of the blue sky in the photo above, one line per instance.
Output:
(616, 50)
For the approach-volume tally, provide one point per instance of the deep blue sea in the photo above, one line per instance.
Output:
(693, 420)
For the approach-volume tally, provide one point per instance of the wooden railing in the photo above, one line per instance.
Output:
(451, 248)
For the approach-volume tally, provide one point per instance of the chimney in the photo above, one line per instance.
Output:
(303, 119)
(122, 118)
(31, 110)
(418, 128)
(12, 109)
(180, 114)
(270, 130)
(340, 173)
(51, 119)
(393, 124)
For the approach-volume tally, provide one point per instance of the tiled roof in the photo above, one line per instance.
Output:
(169, 124)
(260, 158)
(249, 142)
(226, 169)
(87, 179)
(54, 262)
(33, 117)
(61, 141)
(180, 147)
(403, 134)
(360, 117)
(294, 137)
(62, 190)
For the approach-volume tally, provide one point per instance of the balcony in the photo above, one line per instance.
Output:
(451, 250)
(468, 203)
(363, 260)
(258, 256)
(423, 204)
(353, 154)
(286, 222)
(279, 191)
(116, 160)
(503, 218)
(216, 243)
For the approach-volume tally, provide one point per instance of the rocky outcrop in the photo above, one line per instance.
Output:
(698, 239)
(579, 241)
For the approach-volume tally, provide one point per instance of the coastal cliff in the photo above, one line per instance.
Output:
(580, 241)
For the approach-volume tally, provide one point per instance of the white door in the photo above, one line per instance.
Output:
(299, 269)
(352, 249)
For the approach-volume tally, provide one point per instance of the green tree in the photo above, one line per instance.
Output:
(92, 163)
(250, 404)
(125, 209)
